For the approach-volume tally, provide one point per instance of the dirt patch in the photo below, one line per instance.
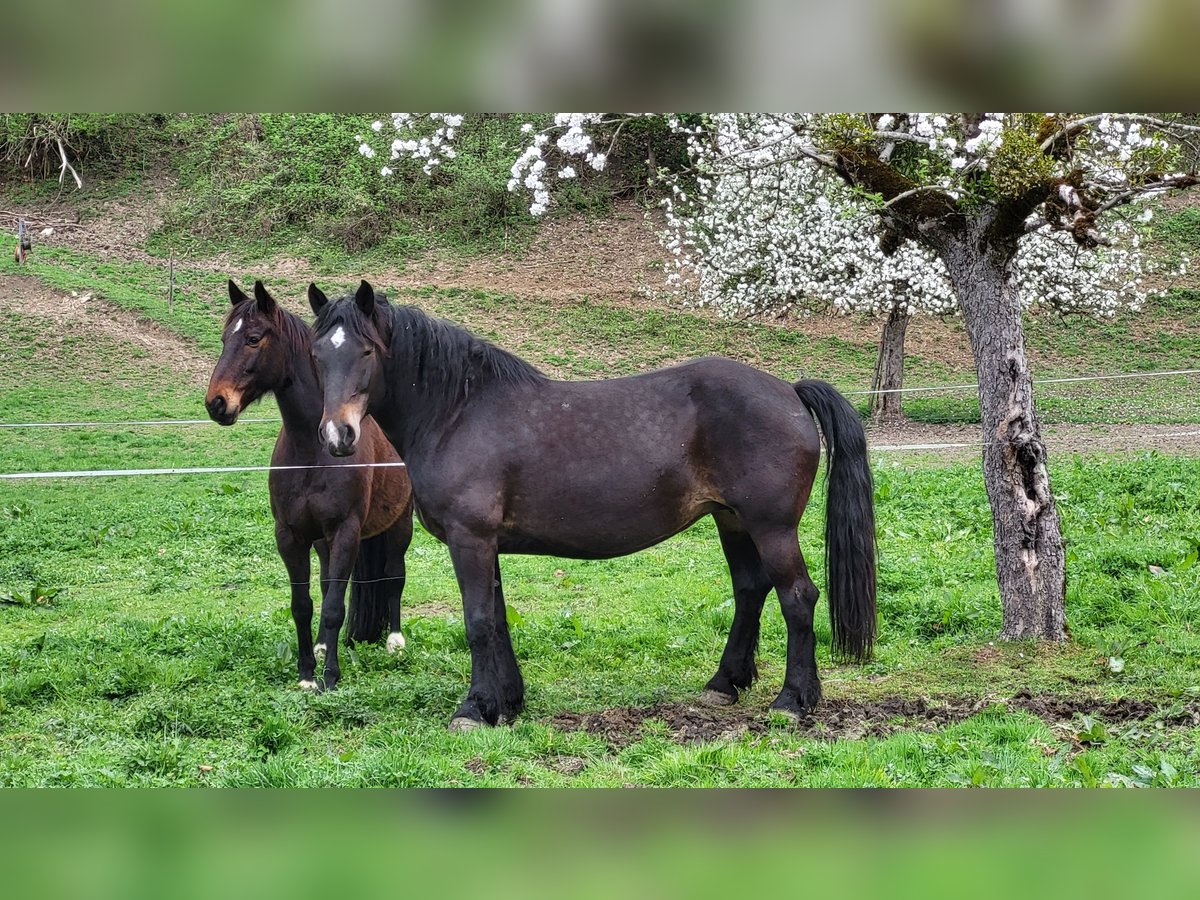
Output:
(435, 609)
(965, 441)
(617, 257)
(73, 312)
(854, 719)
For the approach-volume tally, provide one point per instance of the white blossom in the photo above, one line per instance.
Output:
(760, 227)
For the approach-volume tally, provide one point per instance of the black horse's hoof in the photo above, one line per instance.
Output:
(463, 723)
(797, 704)
(710, 697)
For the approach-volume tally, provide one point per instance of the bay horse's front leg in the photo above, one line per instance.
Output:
(295, 555)
(497, 692)
(343, 550)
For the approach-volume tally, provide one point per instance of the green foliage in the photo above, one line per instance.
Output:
(1019, 164)
(266, 182)
(97, 144)
(1178, 234)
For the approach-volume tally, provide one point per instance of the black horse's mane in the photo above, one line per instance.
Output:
(445, 362)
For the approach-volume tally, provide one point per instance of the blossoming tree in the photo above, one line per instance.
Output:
(763, 231)
(969, 191)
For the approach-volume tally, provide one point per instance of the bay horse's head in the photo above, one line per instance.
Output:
(350, 341)
(256, 356)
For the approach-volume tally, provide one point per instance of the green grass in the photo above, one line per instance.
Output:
(587, 338)
(165, 643)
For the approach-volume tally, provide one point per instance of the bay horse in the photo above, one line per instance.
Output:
(504, 459)
(358, 518)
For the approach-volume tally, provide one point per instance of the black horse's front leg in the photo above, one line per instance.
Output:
(497, 692)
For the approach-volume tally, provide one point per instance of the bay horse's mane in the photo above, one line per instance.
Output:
(291, 327)
(445, 362)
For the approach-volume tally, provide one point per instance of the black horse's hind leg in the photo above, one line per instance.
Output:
(784, 563)
(399, 536)
(295, 555)
(343, 549)
(497, 692)
(751, 584)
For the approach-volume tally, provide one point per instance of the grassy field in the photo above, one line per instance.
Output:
(145, 636)
(589, 337)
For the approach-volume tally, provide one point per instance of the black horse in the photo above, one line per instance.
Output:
(359, 519)
(506, 460)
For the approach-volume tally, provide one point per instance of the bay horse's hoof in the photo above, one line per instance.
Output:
(716, 698)
(395, 642)
(307, 684)
(462, 723)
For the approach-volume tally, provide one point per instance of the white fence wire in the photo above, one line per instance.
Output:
(204, 470)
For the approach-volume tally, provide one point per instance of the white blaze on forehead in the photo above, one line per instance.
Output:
(237, 327)
(338, 337)
(331, 432)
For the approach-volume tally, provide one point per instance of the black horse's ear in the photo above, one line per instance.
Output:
(266, 303)
(316, 298)
(365, 298)
(235, 294)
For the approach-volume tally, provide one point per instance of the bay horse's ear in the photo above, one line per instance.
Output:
(316, 298)
(365, 298)
(266, 303)
(235, 294)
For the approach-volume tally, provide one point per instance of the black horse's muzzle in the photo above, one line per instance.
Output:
(339, 439)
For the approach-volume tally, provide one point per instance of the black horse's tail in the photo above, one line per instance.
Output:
(367, 619)
(849, 521)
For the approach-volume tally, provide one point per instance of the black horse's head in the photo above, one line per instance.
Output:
(350, 341)
(256, 355)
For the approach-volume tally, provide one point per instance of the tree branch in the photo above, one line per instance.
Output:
(66, 165)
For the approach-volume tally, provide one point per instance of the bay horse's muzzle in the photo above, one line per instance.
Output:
(220, 410)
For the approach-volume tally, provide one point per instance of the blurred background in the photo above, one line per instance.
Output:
(669, 845)
(528, 54)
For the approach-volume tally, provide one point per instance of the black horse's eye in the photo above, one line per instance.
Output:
(253, 339)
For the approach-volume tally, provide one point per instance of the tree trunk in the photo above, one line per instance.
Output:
(1030, 561)
(889, 369)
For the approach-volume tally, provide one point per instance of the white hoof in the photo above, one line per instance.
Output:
(462, 723)
(319, 650)
(308, 684)
(716, 698)
(395, 642)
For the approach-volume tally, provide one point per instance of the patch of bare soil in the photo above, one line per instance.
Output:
(434, 609)
(966, 441)
(27, 295)
(615, 258)
(854, 719)
(118, 229)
